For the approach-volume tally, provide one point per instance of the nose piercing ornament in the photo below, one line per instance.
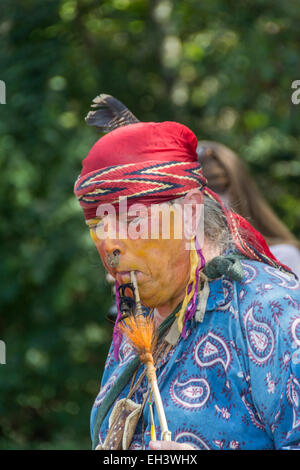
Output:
(113, 259)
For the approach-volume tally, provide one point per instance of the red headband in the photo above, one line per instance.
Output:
(146, 162)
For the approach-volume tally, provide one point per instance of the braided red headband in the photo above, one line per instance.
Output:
(150, 183)
(147, 162)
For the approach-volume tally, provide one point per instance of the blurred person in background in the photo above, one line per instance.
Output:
(230, 179)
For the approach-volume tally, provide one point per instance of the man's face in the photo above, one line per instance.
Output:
(161, 265)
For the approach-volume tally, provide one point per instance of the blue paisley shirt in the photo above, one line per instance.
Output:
(234, 381)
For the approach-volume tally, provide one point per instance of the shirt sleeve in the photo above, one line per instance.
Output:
(285, 423)
(269, 315)
(273, 343)
(104, 387)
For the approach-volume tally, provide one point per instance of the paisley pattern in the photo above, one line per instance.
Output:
(194, 439)
(228, 288)
(126, 353)
(282, 279)
(251, 413)
(190, 394)
(234, 381)
(293, 394)
(211, 350)
(260, 336)
(250, 272)
(295, 331)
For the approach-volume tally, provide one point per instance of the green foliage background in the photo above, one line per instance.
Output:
(222, 67)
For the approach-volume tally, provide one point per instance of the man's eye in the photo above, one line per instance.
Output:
(97, 227)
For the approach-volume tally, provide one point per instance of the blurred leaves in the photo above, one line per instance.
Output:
(224, 68)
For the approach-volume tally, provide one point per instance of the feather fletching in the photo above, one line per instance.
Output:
(140, 332)
(109, 114)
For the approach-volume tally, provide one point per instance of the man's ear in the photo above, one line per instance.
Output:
(193, 197)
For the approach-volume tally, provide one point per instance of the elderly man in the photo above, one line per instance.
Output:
(227, 312)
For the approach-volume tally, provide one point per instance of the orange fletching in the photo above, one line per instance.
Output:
(140, 332)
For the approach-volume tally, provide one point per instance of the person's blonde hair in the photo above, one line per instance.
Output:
(244, 194)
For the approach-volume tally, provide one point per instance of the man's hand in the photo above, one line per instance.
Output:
(169, 445)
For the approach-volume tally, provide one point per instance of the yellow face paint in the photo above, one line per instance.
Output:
(162, 264)
(93, 236)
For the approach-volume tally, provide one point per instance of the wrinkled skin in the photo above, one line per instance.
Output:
(162, 265)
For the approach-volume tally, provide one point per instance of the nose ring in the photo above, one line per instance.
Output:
(113, 259)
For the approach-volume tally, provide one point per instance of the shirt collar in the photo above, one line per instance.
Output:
(217, 294)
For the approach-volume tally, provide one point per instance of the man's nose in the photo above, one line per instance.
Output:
(114, 248)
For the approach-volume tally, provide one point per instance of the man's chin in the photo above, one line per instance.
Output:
(147, 296)
(151, 299)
